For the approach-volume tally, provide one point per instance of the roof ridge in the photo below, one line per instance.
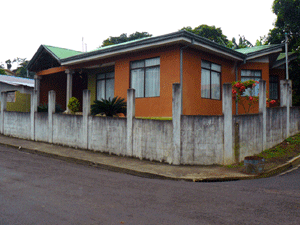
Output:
(62, 48)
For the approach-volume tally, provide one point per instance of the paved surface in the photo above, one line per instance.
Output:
(125, 164)
(135, 166)
(43, 190)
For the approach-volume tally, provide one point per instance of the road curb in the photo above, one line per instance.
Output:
(275, 171)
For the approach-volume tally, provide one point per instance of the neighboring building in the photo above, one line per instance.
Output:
(18, 91)
(151, 65)
(9, 72)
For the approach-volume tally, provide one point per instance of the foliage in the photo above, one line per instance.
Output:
(247, 101)
(109, 107)
(74, 105)
(288, 21)
(8, 64)
(2, 72)
(22, 69)
(210, 32)
(243, 43)
(44, 108)
(124, 38)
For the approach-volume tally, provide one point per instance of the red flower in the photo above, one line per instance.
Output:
(234, 91)
(273, 101)
(257, 82)
(250, 98)
(237, 85)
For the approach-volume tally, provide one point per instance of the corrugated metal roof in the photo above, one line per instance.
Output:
(62, 53)
(17, 81)
(254, 49)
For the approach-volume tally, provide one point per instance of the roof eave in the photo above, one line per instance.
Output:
(182, 37)
(283, 61)
(258, 54)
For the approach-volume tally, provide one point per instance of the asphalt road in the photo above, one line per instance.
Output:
(41, 190)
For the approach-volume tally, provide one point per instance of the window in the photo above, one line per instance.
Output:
(210, 80)
(251, 75)
(11, 96)
(105, 85)
(145, 77)
(273, 87)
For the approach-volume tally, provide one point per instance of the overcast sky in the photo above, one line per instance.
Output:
(62, 23)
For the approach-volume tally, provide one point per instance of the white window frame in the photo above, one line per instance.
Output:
(141, 65)
(212, 69)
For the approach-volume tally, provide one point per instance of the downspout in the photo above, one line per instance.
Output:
(181, 72)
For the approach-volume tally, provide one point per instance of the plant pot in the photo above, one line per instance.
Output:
(254, 164)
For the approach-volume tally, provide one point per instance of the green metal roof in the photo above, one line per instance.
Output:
(62, 53)
(254, 49)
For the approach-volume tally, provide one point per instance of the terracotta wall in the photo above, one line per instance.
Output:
(193, 104)
(169, 73)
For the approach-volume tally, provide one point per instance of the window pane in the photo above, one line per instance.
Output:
(137, 64)
(273, 90)
(110, 83)
(100, 89)
(215, 85)
(216, 67)
(205, 64)
(246, 73)
(257, 73)
(205, 83)
(101, 76)
(137, 82)
(152, 62)
(251, 91)
(152, 80)
(110, 75)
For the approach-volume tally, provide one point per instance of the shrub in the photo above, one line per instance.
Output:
(74, 105)
(44, 108)
(109, 107)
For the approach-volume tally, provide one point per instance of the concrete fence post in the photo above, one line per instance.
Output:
(263, 110)
(51, 111)
(33, 110)
(285, 98)
(228, 157)
(3, 109)
(86, 110)
(130, 120)
(176, 114)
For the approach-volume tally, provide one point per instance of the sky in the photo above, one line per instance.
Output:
(63, 23)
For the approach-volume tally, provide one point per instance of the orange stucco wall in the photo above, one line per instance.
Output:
(193, 104)
(169, 73)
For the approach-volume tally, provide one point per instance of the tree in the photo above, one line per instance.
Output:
(8, 64)
(110, 107)
(243, 43)
(124, 38)
(288, 22)
(210, 32)
(2, 71)
(22, 68)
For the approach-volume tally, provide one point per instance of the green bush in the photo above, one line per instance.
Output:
(44, 108)
(74, 105)
(109, 107)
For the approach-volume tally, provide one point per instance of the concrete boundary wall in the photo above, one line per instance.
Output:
(189, 140)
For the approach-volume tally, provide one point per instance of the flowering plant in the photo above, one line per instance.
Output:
(239, 88)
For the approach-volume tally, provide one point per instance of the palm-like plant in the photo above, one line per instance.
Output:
(109, 107)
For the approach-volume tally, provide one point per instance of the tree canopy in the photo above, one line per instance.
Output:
(124, 38)
(210, 32)
(216, 35)
(288, 21)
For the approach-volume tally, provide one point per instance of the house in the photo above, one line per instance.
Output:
(18, 92)
(151, 65)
